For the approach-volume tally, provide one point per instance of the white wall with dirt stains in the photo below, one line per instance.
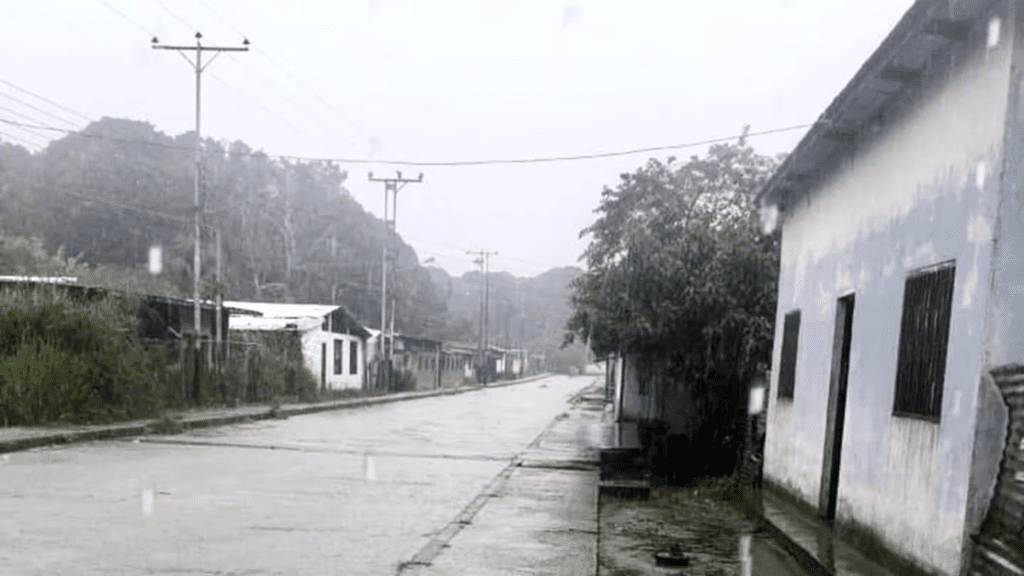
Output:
(926, 190)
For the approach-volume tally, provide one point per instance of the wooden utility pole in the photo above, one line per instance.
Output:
(484, 260)
(197, 64)
(392, 185)
(197, 317)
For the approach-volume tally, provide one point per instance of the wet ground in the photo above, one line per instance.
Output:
(357, 491)
(711, 533)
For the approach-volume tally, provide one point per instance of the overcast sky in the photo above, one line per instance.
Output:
(443, 81)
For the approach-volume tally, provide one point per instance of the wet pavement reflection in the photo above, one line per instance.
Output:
(353, 491)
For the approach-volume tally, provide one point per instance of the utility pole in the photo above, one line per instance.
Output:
(392, 185)
(484, 260)
(199, 67)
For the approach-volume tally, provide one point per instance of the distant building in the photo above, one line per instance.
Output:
(900, 287)
(417, 363)
(333, 343)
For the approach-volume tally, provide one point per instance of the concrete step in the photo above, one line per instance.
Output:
(623, 489)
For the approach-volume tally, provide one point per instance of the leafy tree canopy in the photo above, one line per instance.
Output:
(679, 268)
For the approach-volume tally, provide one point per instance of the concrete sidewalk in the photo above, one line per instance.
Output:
(538, 516)
(810, 540)
(15, 438)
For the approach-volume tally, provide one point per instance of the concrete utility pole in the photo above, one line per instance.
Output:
(484, 260)
(198, 65)
(392, 185)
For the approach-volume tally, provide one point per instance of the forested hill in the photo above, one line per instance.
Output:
(523, 312)
(289, 229)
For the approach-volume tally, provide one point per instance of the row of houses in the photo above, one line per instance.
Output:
(343, 355)
(339, 352)
(895, 404)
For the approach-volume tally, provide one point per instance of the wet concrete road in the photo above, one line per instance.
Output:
(347, 492)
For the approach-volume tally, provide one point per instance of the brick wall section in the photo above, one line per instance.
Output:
(999, 548)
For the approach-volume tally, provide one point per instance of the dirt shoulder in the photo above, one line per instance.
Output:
(712, 533)
(706, 527)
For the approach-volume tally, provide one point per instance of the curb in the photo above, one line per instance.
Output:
(803, 557)
(144, 427)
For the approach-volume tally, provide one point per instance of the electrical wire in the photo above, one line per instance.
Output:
(491, 162)
(175, 16)
(298, 105)
(298, 82)
(33, 131)
(37, 109)
(125, 16)
(119, 205)
(273, 87)
(240, 93)
(20, 139)
(273, 114)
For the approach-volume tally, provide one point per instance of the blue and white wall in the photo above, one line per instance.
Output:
(927, 189)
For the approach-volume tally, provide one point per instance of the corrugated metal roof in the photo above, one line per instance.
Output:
(263, 323)
(275, 310)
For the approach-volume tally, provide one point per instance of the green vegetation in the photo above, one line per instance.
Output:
(66, 361)
(682, 277)
(99, 198)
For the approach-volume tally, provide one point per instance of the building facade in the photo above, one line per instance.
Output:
(900, 287)
(333, 343)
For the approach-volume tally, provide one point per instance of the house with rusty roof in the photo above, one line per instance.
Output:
(901, 290)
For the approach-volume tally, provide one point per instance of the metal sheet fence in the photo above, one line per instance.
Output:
(999, 548)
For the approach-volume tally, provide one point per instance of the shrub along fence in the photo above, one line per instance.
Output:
(62, 359)
(210, 373)
(69, 354)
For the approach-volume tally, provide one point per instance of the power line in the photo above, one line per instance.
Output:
(226, 84)
(197, 205)
(538, 160)
(47, 100)
(221, 18)
(34, 131)
(27, 105)
(258, 50)
(175, 16)
(252, 101)
(293, 78)
(298, 105)
(576, 157)
(310, 90)
(22, 140)
(119, 205)
(125, 16)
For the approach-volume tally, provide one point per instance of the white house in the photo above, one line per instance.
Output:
(333, 343)
(900, 287)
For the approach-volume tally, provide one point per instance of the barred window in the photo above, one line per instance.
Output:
(787, 364)
(338, 350)
(924, 336)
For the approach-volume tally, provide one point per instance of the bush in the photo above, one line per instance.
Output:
(61, 360)
(42, 383)
(403, 380)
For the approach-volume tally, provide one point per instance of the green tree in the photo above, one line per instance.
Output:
(681, 274)
(678, 263)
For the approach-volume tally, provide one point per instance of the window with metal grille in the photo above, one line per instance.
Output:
(338, 350)
(924, 335)
(787, 364)
(353, 357)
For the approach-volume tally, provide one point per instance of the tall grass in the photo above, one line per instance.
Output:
(65, 359)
